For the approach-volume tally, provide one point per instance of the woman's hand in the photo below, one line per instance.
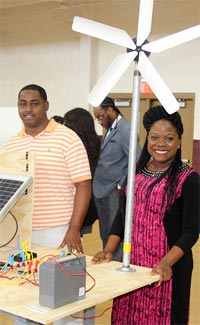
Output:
(164, 270)
(101, 257)
(107, 255)
(164, 267)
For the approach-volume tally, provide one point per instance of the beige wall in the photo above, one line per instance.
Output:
(38, 46)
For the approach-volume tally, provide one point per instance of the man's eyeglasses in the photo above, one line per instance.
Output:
(99, 118)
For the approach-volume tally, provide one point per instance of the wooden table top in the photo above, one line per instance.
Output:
(23, 300)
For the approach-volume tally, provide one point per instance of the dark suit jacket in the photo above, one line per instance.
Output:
(112, 166)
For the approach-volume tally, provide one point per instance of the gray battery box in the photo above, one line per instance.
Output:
(58, 287)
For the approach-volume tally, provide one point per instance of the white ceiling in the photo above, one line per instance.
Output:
(14, 3)
(169, 16)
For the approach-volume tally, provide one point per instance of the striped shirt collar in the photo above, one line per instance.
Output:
(49, 128)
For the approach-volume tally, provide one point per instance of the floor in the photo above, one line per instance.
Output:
(92, 244)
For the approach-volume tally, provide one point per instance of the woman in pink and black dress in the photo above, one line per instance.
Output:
(165, 226)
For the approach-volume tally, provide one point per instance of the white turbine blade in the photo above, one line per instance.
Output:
(110, 77)
(158, 86)
(173, 40)
(144, 21)
(102, 31)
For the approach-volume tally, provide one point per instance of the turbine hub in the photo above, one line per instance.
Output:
(139, 49)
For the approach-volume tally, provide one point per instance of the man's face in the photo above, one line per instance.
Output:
(104, 116)
(32, 108)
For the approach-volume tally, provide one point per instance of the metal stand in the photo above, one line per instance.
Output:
(131, 171)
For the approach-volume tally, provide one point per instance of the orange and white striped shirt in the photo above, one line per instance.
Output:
(61, 161)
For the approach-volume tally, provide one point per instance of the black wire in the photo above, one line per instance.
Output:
(84, 269)
(16, 229)
(86, 272)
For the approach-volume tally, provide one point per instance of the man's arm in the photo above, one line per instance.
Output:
(81, 202)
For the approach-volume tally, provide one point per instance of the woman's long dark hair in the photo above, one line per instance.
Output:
(81, 122)
(153, 115)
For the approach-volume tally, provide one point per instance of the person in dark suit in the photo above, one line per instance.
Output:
(112, 168)
(82, 122)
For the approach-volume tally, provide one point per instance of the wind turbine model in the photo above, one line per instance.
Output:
(138, 50)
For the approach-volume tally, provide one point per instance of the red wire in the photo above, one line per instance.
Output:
(67, 272)
(97, 316)
(76, 274)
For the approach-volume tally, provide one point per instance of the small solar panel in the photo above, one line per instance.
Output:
(12, 187)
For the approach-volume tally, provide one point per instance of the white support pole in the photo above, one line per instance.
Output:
(131, 170)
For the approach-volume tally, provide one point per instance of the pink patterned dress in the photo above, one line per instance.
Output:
(150, 305)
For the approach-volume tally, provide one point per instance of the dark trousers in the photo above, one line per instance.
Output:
(107, 208)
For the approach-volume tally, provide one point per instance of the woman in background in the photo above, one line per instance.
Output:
(81, 122)
(165, 227)
(58, 119)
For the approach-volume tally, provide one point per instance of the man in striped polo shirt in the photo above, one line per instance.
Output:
(62, 187)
